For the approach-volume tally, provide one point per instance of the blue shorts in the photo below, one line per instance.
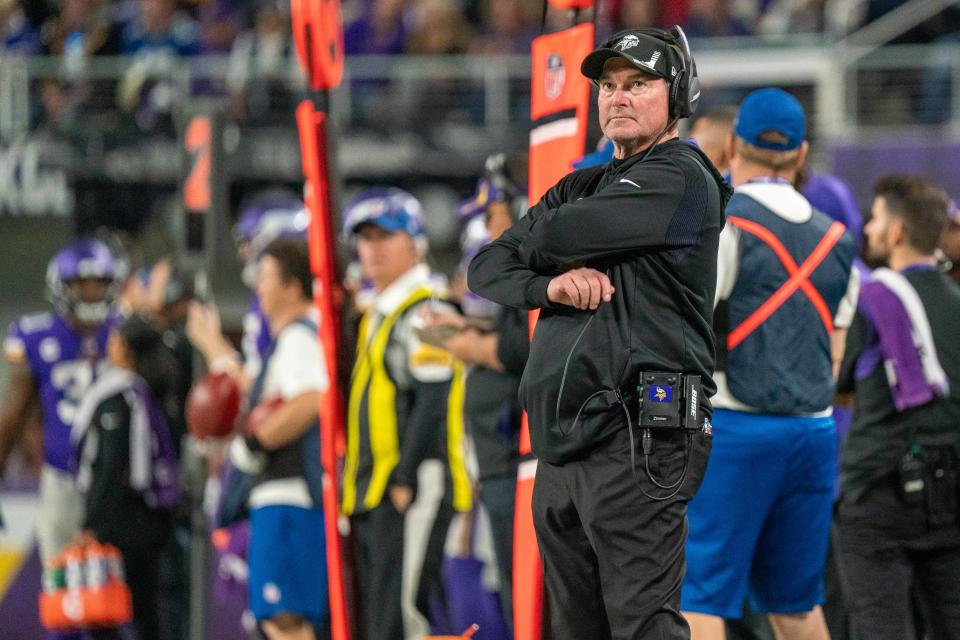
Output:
(288, 562)
(760, 523)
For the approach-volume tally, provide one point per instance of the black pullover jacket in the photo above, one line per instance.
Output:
(653, 225)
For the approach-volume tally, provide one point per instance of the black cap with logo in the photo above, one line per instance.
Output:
(641, 49)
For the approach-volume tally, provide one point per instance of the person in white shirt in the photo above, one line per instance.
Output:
(287, 583)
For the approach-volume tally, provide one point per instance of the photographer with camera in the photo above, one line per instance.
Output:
(621, 260)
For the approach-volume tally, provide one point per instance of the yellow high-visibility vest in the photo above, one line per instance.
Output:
(373, 447)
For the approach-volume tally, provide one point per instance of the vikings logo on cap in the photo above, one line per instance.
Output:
(556, 76)
(627, 42)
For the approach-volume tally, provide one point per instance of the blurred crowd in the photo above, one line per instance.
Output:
(262, 70)
(82, 28)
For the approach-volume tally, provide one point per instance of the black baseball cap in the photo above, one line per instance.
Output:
(640, 48)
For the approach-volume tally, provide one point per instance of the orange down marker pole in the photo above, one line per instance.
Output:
(559, 105)
(318, 38)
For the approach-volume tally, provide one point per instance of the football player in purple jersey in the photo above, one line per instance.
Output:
(54, 358)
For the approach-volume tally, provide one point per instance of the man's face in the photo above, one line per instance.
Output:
(879, 232)
(712, 138)
(272, 291)
(950, 241)
(89, 296)
(632, 104)
(89, 289)
(385, 255)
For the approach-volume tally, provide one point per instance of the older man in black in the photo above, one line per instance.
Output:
(621, 259)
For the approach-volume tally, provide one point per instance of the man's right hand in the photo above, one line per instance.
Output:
(581, 288)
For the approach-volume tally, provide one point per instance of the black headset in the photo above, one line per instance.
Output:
(685, 85)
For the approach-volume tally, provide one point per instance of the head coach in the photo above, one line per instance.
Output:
(622, 261)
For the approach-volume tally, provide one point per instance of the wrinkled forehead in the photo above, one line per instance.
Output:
(623, 69)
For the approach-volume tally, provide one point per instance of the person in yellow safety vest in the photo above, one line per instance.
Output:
(405, 413)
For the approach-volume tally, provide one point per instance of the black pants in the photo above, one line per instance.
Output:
(173, 593)
(499, 495)
(379, 547)
(884, 548)
(141, 541)
(613, 559)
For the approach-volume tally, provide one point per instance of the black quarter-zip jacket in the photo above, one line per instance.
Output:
(653, 225)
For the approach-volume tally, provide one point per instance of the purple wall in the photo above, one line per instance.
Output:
(861, 164)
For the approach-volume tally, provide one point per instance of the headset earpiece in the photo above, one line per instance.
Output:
(685, 89)
(677, 108)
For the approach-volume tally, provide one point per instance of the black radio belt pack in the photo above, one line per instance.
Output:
(669, 401)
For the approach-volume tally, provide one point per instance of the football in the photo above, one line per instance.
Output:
(212, 406)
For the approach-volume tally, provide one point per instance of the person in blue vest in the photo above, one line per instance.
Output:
(786, 291)
(831, 195)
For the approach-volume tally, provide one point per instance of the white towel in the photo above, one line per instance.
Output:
(922, 335)
(111, 382)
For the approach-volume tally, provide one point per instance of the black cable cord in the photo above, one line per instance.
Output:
(623, 405)
(676, 486)
(686, 462)
(633, 463)
(563, 382)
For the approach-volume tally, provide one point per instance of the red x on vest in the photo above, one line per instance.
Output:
(799, 278)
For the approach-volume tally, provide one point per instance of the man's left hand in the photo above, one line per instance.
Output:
(582, 288)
